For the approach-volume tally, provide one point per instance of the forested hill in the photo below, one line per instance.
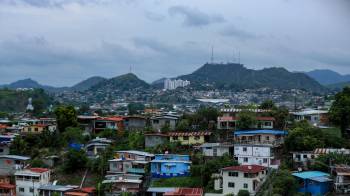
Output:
(236, 76)
(16, 101)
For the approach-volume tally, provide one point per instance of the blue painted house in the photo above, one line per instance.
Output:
(313, 182)
(170, 165)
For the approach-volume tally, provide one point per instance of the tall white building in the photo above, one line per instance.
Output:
(29, 180)
(173, 84)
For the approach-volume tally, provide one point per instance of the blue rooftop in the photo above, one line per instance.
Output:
(310, 174)
(262, 131)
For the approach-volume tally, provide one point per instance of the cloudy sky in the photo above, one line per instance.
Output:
(61, 42)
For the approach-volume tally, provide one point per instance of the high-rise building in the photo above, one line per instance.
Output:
(173, 84)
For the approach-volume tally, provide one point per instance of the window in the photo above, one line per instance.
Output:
(262, 172)
(31, 190)
(175, 138)
(231, 184)
(244, 149)
(305, 156)
(267, 138)
(36, 129)
(185, 137)
(235, 174)
(1, 150)
(155, 121)
(29, 129)
(265, 160)
(197, 137)
(245, 159)
(312, 156)
(21, 189)
(245, 185)
(267, 124)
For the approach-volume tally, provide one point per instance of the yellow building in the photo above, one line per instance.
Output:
(189, 138)
(34, 129)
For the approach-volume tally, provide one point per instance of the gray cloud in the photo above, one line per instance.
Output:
(194, 17)
(233, 31)
(154, 16)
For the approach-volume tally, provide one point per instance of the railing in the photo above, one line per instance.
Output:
(257, 142)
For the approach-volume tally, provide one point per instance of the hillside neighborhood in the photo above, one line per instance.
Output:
(214, 150)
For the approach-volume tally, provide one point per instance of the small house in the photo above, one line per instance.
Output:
(160, 121)
(216, 149)
(51, 189)
(190, 138)
(9, 164)
(135, 122)
(96, 146)
(155, 139)
(313, 182)
(243, 177)
(342, 178)
(170, 165)
(123, 183)
(34, 129)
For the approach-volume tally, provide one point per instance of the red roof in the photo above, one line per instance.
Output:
(186, 192)
(199, 133)
(245, 168)
(7, 186)
(112, 118)
(88, 189)
(3, 126)
(233, 118)
(39, 170)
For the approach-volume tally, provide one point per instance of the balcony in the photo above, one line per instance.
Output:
(257, 142)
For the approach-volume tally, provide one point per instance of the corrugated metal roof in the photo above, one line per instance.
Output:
(199, 133)
(309, 174)
(263, 131)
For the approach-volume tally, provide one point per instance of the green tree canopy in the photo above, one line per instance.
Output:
(74, 160)
(246, 120)
(66, 116)
(339, 112)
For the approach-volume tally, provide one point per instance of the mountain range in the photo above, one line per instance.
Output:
(231, 76)
(328, 77)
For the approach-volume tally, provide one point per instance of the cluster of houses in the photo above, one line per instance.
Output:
(258, 151)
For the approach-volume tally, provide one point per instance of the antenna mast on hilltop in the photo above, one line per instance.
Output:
(212, 55)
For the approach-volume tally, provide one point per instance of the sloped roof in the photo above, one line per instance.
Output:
(199, 133)
(186, 191)
(245, 168)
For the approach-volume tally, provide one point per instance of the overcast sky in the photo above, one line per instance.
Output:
(61, 42)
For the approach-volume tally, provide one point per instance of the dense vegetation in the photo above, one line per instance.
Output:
(236, 76)
(17, 101)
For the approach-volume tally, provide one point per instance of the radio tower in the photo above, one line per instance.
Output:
(212, 55)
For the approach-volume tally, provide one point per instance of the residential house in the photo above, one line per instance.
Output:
(230, 116)
(313, 182)
(314, 117)
(115, 123)
(123, 183)
(189, 138)
(258, 147)
(87, 123)
(52, 189)
(216, 149)
(170, 165)
(185, 192)
(34, 129)
(9, 164)
(244, 177)
(159, 191)
(4, 148)
(155, 139)
(135, 122)
(131, 162)
(160, 121)
(7, 189)
(342, 178)
(96, 146)
(28, 181)
(3, 128)
(303, 159)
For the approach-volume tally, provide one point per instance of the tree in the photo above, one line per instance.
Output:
(284, 183)
(182, 125)
(281, 115)
(136, 140)
(243, 193)
(66, 116)
(267, 105)
(74, 160)
(72, 134)
(134, 108)
(339, 112)
(246, 120)
(18, 146)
